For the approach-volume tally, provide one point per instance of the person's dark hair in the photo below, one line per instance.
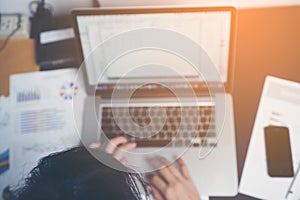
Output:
(75, 174)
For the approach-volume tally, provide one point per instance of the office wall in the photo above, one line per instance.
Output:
(237, 3)
(64, 6)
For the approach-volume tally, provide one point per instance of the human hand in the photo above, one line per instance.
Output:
(172, 183)
(117, 146)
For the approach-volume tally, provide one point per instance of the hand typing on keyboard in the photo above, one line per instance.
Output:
(117, 146)
(172, 183)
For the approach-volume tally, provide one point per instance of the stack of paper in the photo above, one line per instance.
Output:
(5, 142)
(279, 105)
(42, 112)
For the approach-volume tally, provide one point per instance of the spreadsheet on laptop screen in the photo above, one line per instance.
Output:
(211, 30)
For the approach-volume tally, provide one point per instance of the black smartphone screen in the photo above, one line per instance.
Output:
(278, 151)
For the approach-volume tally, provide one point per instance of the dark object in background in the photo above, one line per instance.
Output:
(278, 150)
(56, 54)
(75, 174)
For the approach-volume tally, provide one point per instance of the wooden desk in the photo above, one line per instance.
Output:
(17, 57)
(268, 42)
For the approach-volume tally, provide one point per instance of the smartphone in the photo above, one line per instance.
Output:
(278, 151)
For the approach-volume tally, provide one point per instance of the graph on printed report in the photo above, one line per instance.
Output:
(4, 161)
(28, 95)
(41, 120)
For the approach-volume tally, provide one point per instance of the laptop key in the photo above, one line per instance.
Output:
(111, 135)
(152, 143)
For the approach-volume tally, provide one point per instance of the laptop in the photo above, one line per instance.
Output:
(162, 77)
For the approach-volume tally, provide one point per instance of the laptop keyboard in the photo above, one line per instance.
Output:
(160, 126)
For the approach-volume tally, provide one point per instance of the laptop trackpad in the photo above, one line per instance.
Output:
(140, 159)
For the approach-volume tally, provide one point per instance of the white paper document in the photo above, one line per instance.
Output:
(43, 118)
(279, 105)
(5, 142)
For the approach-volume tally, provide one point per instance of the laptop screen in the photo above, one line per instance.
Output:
(210, 28)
